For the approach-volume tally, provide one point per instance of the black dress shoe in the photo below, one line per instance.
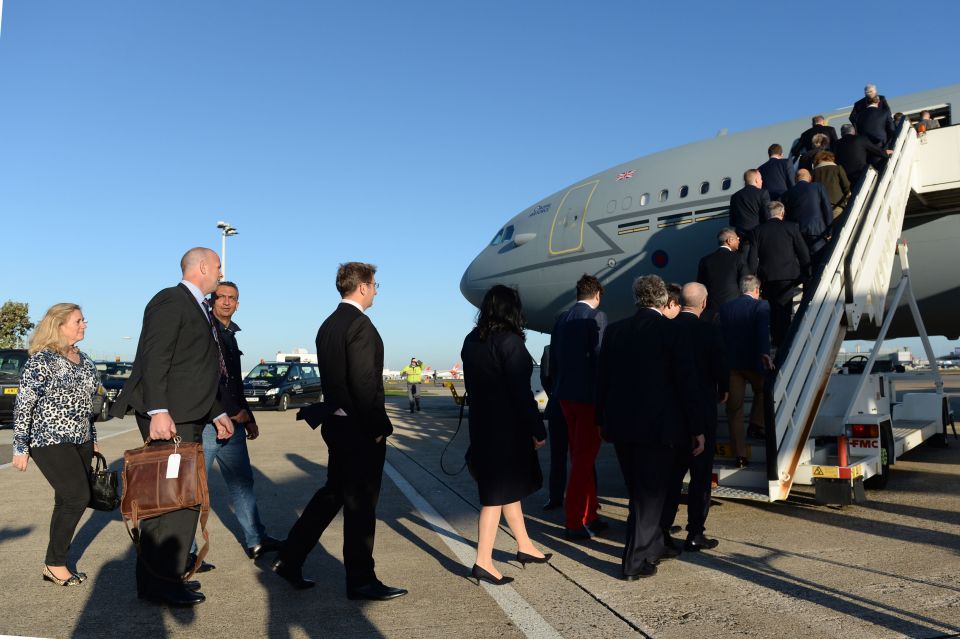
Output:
(180, 597)
(192, 586)
(204, 566)
(669, 553)
(577, 533)
(597, 526)
(553, 504)
(700, 542)
(670, 542)
(293, 576)
(375, 591)
(267, 544)
(646, 570)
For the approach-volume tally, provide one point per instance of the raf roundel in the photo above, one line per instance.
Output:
(660, 258)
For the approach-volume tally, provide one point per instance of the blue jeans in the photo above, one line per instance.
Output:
(235, 467)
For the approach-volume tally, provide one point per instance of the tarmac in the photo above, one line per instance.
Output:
(887, 568)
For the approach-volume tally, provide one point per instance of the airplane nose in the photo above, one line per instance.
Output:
(470, 288)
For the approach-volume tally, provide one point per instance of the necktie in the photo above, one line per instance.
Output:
(216, 338)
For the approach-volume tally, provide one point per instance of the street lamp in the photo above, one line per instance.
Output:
(226, 231)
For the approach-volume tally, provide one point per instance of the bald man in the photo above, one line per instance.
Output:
(712, 379)
(748, 207)
(174, 391)
(808, 204)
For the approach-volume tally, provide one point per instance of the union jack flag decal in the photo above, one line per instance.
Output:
(626, 175)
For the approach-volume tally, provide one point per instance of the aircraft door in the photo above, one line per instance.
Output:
(566, 233)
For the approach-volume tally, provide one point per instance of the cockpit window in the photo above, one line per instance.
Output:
(497, 238)
(508, 233)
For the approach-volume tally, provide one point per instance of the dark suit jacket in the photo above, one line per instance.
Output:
(231, 386)
(574, 348)
(805, 142)
(748, 208)
(644, 381)
(876, 124)
(861, 104)
(807, 204)
(350, 360)
(779, 252)
(177, 366)
(778, 176)
(855, 152)
(745, 327)
(720, 272)
(712, 374)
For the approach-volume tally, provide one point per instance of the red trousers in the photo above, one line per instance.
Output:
(580, 502)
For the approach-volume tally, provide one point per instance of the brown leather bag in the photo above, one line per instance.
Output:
(147, 492)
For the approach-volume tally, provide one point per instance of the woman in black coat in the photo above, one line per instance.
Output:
(506, 428)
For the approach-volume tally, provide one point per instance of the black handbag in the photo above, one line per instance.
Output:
(104, 494)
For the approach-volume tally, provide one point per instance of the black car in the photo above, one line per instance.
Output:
(11, 363)
(113, 375)
(282, 384)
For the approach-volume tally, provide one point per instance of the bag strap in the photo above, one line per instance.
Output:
(450, 441)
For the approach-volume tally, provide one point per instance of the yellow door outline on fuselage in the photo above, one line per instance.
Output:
(583, 217)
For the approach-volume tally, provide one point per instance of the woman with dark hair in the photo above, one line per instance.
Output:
(506, 428)
(52, 425)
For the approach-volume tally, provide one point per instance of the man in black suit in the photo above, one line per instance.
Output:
(712, 378)
(869, 93)
(808, 205)
(355, 428)
(645, 363)
(875, 123)
(805, 142)
(777, 172)
(748, 207)
(855, 153)
(780, 258)
(574, 347)
(721, 271)
(174, 390)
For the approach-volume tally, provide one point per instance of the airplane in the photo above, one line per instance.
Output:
(453, 373)
(661, 213)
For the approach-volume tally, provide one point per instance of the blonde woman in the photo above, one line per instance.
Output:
(52, 425)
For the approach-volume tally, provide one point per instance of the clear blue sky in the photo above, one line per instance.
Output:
(402, 134)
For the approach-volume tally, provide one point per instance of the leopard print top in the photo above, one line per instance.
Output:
(54, 403)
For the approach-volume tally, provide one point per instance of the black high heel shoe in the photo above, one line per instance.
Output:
(524, 559)
(479, 574)
(49, 576)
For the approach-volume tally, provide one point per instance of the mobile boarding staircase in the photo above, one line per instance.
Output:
(837, 431)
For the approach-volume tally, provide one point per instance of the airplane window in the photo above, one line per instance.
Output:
(704, 188)
(664, 194)
(684, 190)
(644, 199)
(497, 238)
(725, 185)
(508, 234)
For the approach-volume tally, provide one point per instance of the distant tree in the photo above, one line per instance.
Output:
(14, 324)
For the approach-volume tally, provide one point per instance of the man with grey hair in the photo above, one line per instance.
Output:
(869, 93)
(780, 258)
(174, 390)
(855, 153)
(645, 439)
(712, 378)
(745, 328)
(720, 271)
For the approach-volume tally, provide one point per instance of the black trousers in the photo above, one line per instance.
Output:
(557, 482)
(779, 293)
(354, 473)
(646, 472)
(165, 540)
(67, 468)
(698, 491)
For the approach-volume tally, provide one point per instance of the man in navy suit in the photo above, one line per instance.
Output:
(721, 271)
(780, 258)
(777, 172)
(574, 347)
(869, 93)
(745, 327)
(645, 380)
(876, 123)
(748, 207)
(808, 205)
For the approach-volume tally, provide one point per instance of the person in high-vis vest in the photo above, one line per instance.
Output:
(414, 374)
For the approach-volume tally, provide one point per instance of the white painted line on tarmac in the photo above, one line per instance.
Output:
(99, 439)
(517, 609)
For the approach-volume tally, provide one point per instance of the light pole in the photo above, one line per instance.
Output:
(226, 231)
